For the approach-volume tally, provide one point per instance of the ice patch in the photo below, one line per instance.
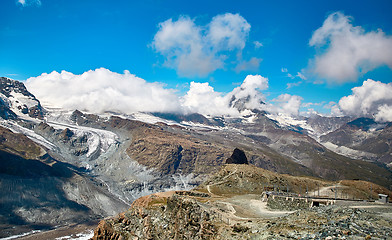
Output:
(79, 236)
(348, 152)
(18, 99)
(289, 121)
(21, 235)
(98, 140)
(149, 118)
(200, 126)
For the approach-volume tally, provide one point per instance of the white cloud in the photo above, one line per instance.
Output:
(250, 89)
(202, 98)
(373, 98)
(290, 75)
(384, 113)
(194, 50)
(257, 44)
(101, 90)
(228, 32)
(286, 104)
(293, 84)
(334, 108)
(347, 51)
(26, 3)
(300, 75)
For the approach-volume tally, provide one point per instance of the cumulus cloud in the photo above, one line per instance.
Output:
(101, 90)
(250, 90)
(202, 98)
(286, 104)
(346, 51)
(384, 113)
(372, 99)
(194, 50)
(26, 3)
(228, 32)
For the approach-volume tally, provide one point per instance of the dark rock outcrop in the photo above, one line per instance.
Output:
(238, 157)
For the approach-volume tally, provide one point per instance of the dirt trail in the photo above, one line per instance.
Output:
(247, 207)
(223, 181)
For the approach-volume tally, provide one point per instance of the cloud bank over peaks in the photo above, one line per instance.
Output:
(194, 50)
(101, 90)
(202, 98)
(372, 99)
(286, 104)
(346, 51)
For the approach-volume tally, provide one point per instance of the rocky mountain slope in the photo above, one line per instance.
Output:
(39, 192)
(230, 206)
(363, 138)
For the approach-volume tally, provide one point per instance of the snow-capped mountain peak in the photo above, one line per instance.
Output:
(16, 99)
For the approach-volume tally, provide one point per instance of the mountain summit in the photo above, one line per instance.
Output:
(15, 98)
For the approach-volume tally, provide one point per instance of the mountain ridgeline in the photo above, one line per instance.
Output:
(60, 167)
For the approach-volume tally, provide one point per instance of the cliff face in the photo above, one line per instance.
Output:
(171, 153)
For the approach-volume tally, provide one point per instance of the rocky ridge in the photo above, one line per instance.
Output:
(363, 138)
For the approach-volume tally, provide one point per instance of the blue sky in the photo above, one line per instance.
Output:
(41, 36)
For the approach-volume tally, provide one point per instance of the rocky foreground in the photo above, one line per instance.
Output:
(212, 211)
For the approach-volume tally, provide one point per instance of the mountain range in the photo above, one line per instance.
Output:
(60, 167)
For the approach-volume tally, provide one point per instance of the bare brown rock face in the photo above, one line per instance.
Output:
(174, 153)
(18, 144)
